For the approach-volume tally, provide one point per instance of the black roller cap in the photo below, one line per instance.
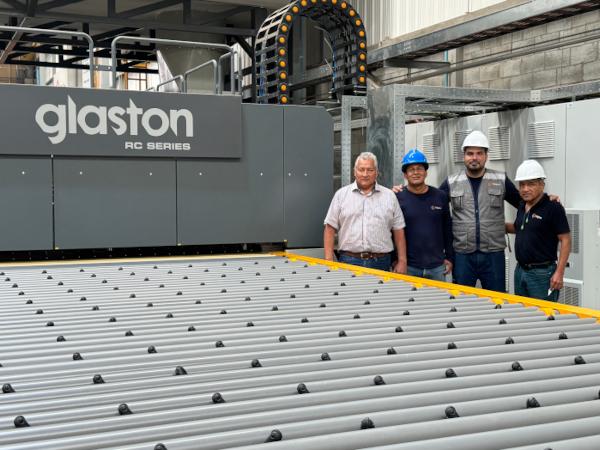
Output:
(356, 316)
(129, 333)
(152, 349)
(83, 299)
(169, 315)
(282, 338)
(579, 360)
(453, 309)
(77, 356)
(378, 380)
(112, 319)
(502, 322)
(191, 328)
(342, 333)
(450, 325)
(498, 306)
(292, 295)
(516, 366)
(60, 338)
(29, 302)
(302, 389)
(550, 317)
(391, 351)
(40, 311)
(97, 379)
(325, 357)
(563, 335)
(451, 297)
(132, 295)
(304, 320)
(219, 344)
(376, 291)
(275, 308)
(509, 340)
(160, 446)
(124, 409)
(180, 370)
(451, 412)
(7, 388)
(217, 398)
(322, 305)
(336, 293)
(198, 302)
(20, 422)
(367, 302)
(451, 346)
(95, 308)
(249, 324)
(450, 373)
(366, 423)
(414, 288)
(255, 363)
(532, 403)
(247, 299)
(412, 299)
(274, 436)
(50, 324)
(406, 313)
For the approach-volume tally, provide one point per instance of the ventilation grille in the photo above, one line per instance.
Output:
(574, 220)
(499, 143)
(459, 137)
(570, 295)
(431, 147)
(541, 141)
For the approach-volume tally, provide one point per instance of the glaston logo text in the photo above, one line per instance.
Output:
(59, 120)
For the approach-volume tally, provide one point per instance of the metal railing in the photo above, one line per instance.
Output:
(85, 36)
(209, 45)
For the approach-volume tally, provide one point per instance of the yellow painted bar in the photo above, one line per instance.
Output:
(549, 308)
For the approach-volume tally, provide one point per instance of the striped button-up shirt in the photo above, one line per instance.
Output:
(364, 221)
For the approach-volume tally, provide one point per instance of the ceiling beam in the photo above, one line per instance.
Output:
(20, 7)
(56, 4)
(31, 8)
(12, 43)
(209, 18)
(157, 6)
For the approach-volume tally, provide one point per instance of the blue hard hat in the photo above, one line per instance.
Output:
(414, 156)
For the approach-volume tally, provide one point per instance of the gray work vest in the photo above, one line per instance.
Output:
(491, 212)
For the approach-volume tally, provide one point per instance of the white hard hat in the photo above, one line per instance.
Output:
(476, 139)
(530, 170)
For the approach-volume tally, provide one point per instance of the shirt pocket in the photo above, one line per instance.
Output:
(496, 196)
(457, 198)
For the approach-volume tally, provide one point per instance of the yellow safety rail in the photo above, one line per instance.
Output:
(549, 308)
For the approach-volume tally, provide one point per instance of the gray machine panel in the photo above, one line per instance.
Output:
(26, 203)
(308, 174)
(236, 201)
(103, 203)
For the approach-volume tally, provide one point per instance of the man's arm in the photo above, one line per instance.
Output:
(448, 238)
(445, 188)
(328, 240)
(510, 228)
(557, 280)
(511, 194)
(400, 241)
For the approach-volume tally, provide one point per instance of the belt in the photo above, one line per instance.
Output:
(541, 265)
(364, 255)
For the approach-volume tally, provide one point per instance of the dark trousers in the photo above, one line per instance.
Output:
(535, 282)
(487, 267)
(382, 263)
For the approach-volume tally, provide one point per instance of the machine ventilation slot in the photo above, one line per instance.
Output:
(499, 143)
(574, 220)
(570, 295)
(459, 137)
(541, 142)
(431, 147)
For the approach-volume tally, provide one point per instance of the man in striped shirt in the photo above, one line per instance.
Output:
(366, 216)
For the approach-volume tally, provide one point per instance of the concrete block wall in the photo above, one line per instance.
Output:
(559, 66)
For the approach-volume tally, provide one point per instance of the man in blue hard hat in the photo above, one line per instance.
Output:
(428, 228)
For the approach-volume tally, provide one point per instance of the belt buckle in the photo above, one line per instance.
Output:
(365, 255)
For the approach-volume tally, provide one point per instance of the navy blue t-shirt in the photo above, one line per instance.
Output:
(428, 227)
(537, 231)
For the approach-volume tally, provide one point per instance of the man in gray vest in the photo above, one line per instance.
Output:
(477, 198)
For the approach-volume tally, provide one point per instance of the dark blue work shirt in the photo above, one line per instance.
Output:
(511, 195)
(428, 227)
(537, 231)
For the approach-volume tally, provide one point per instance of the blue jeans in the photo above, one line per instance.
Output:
(382, 263)
(437, 273)
(488, 268)
(535, 282)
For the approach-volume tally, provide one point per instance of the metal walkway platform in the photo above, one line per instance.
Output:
(271, 352)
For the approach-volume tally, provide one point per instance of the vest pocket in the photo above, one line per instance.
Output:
(456, 198)
(496, 197)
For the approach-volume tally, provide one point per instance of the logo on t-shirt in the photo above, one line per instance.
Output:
(434, 207)
(535, 216)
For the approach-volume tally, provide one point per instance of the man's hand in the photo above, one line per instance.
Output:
(398, 188)
(449, 266)
(554, 198)
(556, 282)
(329, 256)
(401, 267)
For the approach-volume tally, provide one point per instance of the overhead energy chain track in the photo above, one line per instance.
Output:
(346, 33)
(291, 353)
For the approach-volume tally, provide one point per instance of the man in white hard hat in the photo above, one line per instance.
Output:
(540, 225)
(477, 198)
(366, 217)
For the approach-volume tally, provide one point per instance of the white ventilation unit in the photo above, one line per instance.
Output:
(499, 143)
(431, 147)
(582, 275)
(459, 137)
(541, 139)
